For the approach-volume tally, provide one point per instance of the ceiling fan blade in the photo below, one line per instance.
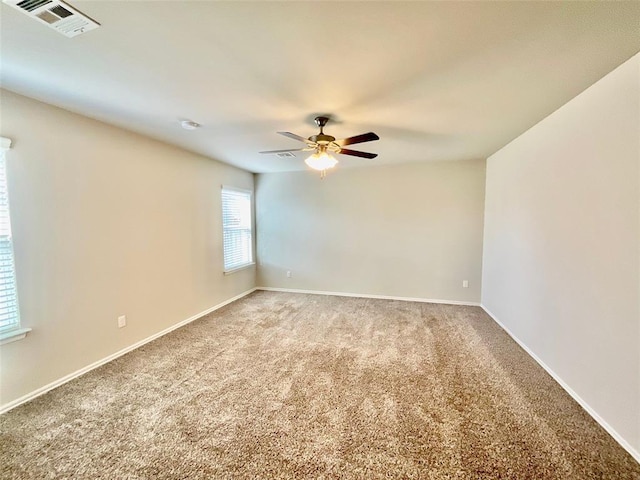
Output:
(356, 153)
(287, 150)
(365, 137)
(297, 137)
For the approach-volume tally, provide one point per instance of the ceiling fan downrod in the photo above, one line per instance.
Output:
(321, 122)
(321, 138)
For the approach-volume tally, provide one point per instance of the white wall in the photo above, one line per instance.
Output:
(412, 230)
(105, 223)
(562, 245)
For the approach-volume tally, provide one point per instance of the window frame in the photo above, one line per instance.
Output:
(13, 331)
(251, 262)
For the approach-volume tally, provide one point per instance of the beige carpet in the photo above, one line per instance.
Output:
(281, 385)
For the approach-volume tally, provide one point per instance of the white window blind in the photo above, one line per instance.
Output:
(236, 228)
(9, 315)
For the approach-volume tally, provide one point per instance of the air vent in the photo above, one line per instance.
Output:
(285, 155)
(30, 5)
(56, 14)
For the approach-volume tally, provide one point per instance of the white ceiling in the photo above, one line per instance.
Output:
(435, 80)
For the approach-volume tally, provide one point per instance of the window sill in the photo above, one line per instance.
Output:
(13, 335)
(237, 269)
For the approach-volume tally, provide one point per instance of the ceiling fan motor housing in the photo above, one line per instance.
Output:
(322, 139)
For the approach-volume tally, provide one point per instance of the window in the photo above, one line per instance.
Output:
(236, 228)
(9, 314)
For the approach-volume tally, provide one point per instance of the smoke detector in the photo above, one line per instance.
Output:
(189, 124)
(58, 15)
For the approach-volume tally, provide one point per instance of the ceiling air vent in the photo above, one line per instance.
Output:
(58, 15)
(285, 155)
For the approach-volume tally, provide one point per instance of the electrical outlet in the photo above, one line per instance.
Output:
(122, 321)
(465, 284)
(288, 273)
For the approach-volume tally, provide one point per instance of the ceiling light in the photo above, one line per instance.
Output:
(321, 161)
(189, 124)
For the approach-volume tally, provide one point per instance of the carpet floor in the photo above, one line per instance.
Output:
(280, 385)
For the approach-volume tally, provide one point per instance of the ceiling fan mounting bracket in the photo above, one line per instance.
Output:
(321, 122)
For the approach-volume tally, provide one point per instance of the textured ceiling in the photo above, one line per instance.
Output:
(436, 80)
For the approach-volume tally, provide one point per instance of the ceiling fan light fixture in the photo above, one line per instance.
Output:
(321, 161)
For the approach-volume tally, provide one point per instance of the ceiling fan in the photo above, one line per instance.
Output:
(322, 145)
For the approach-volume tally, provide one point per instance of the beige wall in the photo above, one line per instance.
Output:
(562, 245)
(413, 230)
(105, 223)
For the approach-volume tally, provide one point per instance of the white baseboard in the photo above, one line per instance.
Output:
(366, 295)
(610, 430)
(61, 381)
